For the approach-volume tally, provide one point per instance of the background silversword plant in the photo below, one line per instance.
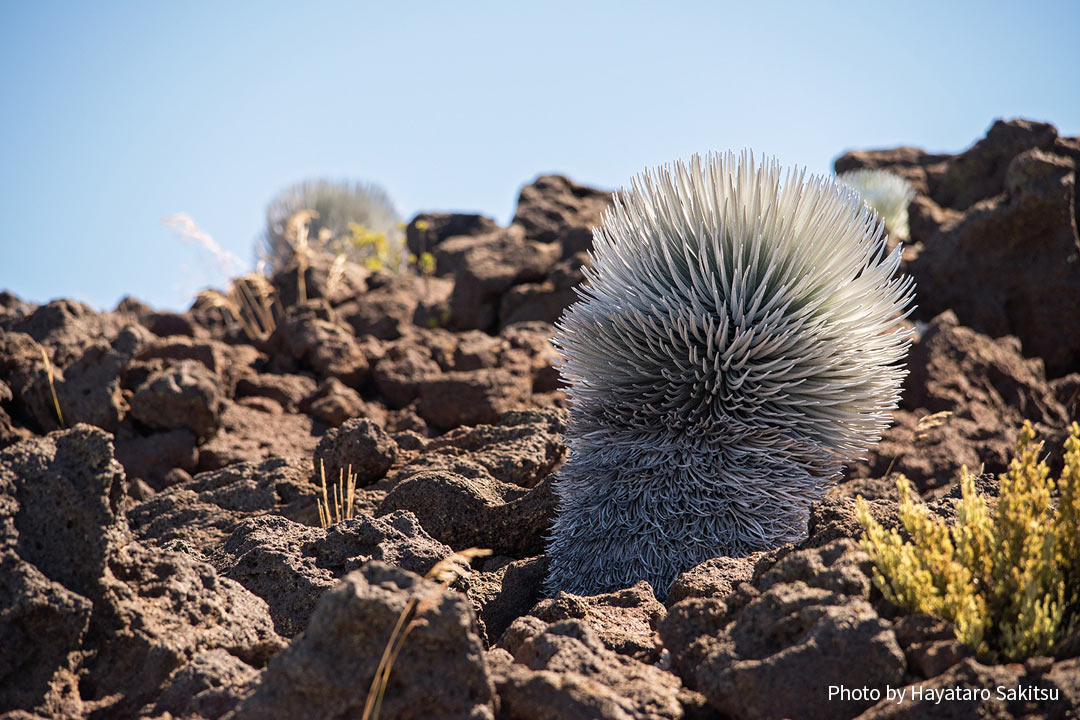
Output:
(351, 219)
(736, 341)
(887, 193)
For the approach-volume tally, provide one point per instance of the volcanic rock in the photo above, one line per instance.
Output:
(564, 670)
(185, 395)
(554, 208)
(440, 671)
(475, 397)
(290, 565)
(360, 447)
(200, 513)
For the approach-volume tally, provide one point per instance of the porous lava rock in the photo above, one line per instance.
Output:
(624, 621)
(428, 229)
(521, 449)
(200, 513)
(808, 616)
(310, 338)
(486, 266)
(290, 565)
(474, 397)
(122, 617)
(288, 390)
(151, 458)
(564, 670)
(250, 434)
(334, 402)
(476, 510)
(985, 386)
(209, 686)
(554, 208)
(66, 328)
(1003, 701)
(715, 578)
(360, 447)
(505, 592)
(996, 230)
(185, 395)
(440, 672)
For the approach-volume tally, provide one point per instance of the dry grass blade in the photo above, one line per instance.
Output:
(254, 299)
(931, 422)
(230, 310)
(922, 431)
(444, 572)
(296, 234)
(52, 385)
(343, 496)
(337, 271)
(187, 228)
(251, 302)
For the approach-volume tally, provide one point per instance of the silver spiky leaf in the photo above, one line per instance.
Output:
(887, 193)
(737, 340)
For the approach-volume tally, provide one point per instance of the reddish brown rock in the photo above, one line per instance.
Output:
(212, 684)
(89, 389)
(166, 324)
(291, 565)
(123, 617)
(399, 374)
(522, 449)
(1015, 249)
(997, 236)
(545, 301)
(554, 208)
(285, 389)
(333, 402)
(66, 328)
(476, 510)
(440, 226)
(980, 171)
(387, 309)
(534, 338)
(716, 578)
(251, 435)
(151, 458)
(624, 621)
(323, 280)
(987, 387)
(504, 593)
(42, 625)
(929, 644)
(476, 397)
(185, 395)
(811, 622)
(970, 674)
(440, 672)
(360, 447)
(484, 267)
(199, 513)
(217, 357)
(309, 337)
(564, 670)
(922, 169)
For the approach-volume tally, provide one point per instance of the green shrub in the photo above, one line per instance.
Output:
(1008, 579)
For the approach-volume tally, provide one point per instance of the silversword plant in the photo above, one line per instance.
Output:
(887, 193)
(737, 340)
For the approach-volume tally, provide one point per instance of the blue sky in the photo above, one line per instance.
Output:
(116, 115)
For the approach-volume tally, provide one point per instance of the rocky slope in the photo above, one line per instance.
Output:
(161, 553)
